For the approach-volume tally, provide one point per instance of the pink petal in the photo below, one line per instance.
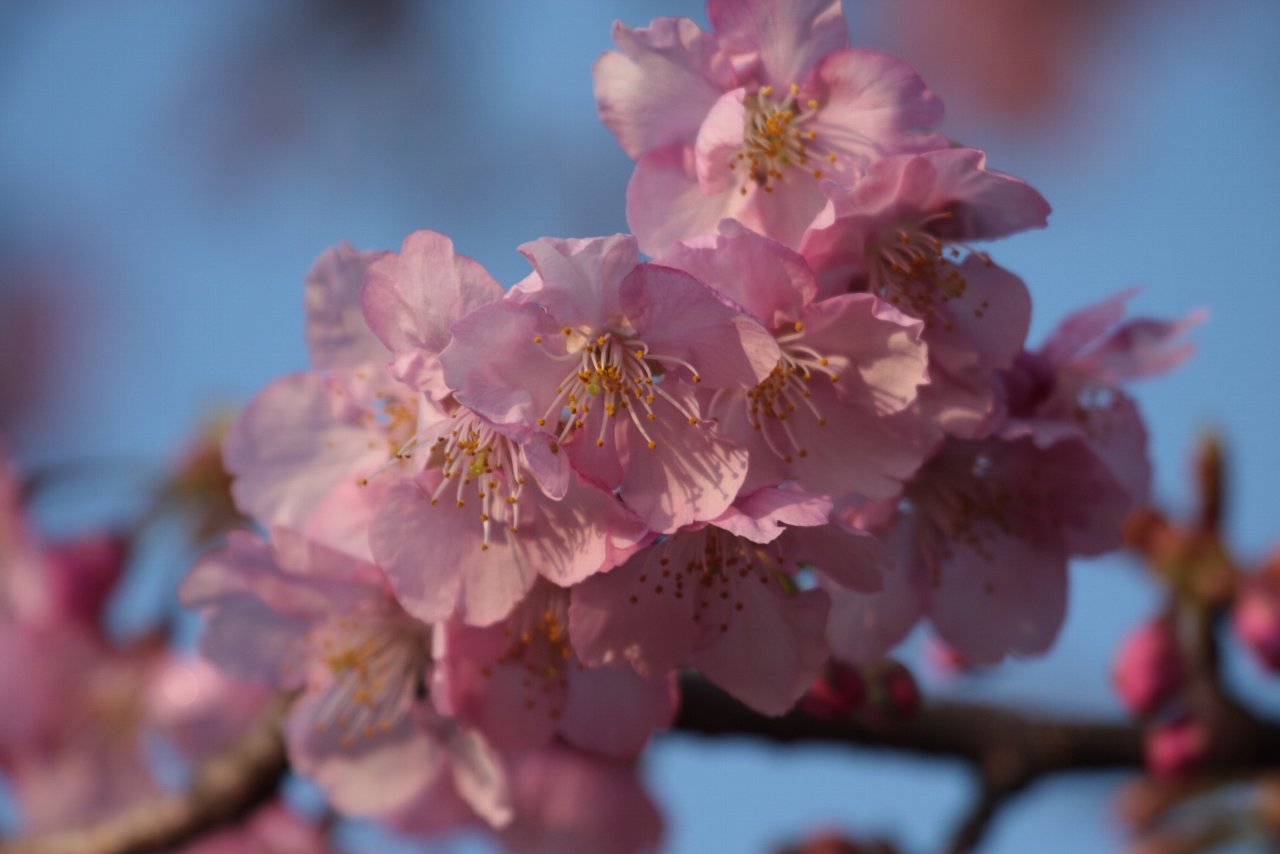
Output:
(411, 300)
(719, 139)
(665, 204)
(580, 278)
(676, 315)
(654, 633)
(435, 559)
(866, 624)
(874, 105)
(768, 280)
(1008, 599)
(612, 711)
(771, 650)
(369, 776)
(788, 38)
(762, 516)
(337, 335)
(691, 475)
(658, 89)
(292, 452)
(496, 368)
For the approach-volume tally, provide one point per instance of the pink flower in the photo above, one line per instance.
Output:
(412, 298)
(981, 540)
(1068, 389)
(833, 413)
(604, 355)
(903, 232)
(302, 616)
(720, 597)
(563, 801)
(519, 682)
(567, 801)
(303, 450)
(1149, 668)
(746, 122)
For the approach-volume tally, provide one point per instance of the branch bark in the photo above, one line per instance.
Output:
(225, 789)
(1009, 750)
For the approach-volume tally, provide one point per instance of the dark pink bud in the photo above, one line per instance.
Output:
(83, 573)
(1149, 668)
(1177, 749)
(900, 691)
(1257, 621)
(839, 691)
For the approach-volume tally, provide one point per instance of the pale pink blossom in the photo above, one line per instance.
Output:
(519, 682)
(904, 233)
(301, 616)
(563, 801)
(746, 122)
(1069, 388)
(604, 355)
(302, 452)
(834, 413)
(981, 540)
(720, 597)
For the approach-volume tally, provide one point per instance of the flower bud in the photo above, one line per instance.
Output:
(840, 690)
(1149, 669)
(84, 572)
(1177, 749)
(1257, 621)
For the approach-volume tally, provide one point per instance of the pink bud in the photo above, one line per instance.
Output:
(900, 690)
(839, 691)
(84, 573)
(1177, 749)
(1257, 621)
(1149, 669)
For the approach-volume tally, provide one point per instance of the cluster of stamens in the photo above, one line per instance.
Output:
(786, 391)
(476, 460)
(920, 273)
(542, 651)
(616, 377)
(377, 663)
(707, 566)
(774, 138)
(961, 507)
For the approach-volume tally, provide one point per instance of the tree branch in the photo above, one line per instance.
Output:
(225, 789)
(1009, 750)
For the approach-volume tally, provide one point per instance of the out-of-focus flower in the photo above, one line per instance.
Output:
(1149, 668)
(747, 121)
(273, 829)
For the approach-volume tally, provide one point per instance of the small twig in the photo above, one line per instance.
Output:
(226, 788)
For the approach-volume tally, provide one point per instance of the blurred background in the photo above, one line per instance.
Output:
(169, 171)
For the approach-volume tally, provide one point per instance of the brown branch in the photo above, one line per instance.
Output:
(1009, 750)
(225, 789)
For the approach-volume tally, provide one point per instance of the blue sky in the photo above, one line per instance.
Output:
(121, 159)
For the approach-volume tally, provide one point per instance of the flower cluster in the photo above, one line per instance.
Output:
(501, 520)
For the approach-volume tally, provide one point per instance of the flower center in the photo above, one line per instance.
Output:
(775, 138)
(958, 503)
(707, 566)
(787, 391)
(617, 376)
(920, 273)
(377, 664)
(477, 461)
